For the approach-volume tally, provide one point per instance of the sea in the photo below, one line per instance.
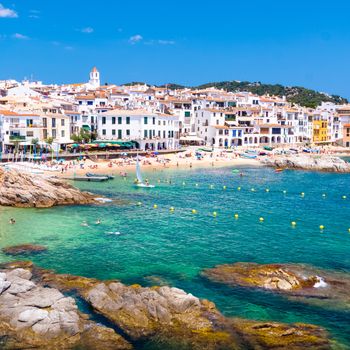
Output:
(170, 233)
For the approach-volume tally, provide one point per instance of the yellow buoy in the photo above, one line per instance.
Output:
(284, 191)
(267, 190)
(321, 227)
(211, 186)
(236, 216)
(302, 194)
(344, 197)
(215, 214)
(293, 223)
(253, 189)
(172, 209)
(261, 219)
(194, 211)
(155, 206)
(238, 188)
(196, 185)
(323, 195)
(184, 183)
(349, 230)
(139, 203)
(224, 187)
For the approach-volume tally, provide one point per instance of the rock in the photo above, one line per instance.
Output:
(174, 319)
(309, 162)
(24, 249)
(300, 282)
(273, 335)
(20, 189)
(33, 315)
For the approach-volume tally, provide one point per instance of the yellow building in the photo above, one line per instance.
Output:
(320, 131)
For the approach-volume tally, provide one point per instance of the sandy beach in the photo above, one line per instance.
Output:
(127, 165)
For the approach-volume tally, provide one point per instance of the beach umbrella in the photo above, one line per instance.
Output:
(109, 145)
(75, 145)
(102, 145)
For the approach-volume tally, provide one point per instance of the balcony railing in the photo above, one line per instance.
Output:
(17, 138)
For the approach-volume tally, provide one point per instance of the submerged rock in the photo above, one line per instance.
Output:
(300, 282)
(26, 190)
(309, 162)
(24, 249)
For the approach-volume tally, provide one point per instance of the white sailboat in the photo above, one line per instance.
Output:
(140, 182)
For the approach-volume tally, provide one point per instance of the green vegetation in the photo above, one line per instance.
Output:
(295, 94)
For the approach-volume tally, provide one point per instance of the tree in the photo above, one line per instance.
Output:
(49, 140)
(77, 138)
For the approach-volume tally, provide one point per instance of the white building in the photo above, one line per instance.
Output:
(94, 81)
(148, 130)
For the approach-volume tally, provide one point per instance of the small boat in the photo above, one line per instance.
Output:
(110, 177)
(248, 156)
(140, 182)
(268, 148)
(87, 178)
(278, 170)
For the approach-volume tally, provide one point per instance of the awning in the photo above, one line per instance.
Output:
(86, 127)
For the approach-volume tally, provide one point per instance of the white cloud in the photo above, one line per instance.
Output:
(87, 30)
(166, 42)
(7, 13)
(20, 36)
(135, 39)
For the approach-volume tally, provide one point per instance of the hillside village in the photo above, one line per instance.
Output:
(146, 117)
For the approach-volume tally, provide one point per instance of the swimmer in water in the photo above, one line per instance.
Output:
(98, 221)
(84, 223)
(12, 221)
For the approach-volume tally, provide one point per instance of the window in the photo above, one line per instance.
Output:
(187, 114)
(120, 134)
(120, 120)
(62, 133)
(53, 122)
(163, 134)
(30, 133)
(159, 133)
(54, 135)
(90, 103)
(145, 120)
(145, 134)
(113, 120)
(45, 122)
(127, 120)
(103, 131)
(154, 120)
(127, 132)
(62, 122)
(113, 132)
(217, 121)
(103, 120)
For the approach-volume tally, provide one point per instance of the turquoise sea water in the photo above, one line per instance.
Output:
(140, 244)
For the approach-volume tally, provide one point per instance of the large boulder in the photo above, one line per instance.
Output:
(19, 189)
(33, 315)
(299, 282)
(309, 162)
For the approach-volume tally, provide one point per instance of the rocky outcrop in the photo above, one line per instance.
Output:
(24, 249)
(36, 316)
(174, 319)
(309, 162)
(26, 190)
(300, 282)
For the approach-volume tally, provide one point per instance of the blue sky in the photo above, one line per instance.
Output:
(296, 42)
